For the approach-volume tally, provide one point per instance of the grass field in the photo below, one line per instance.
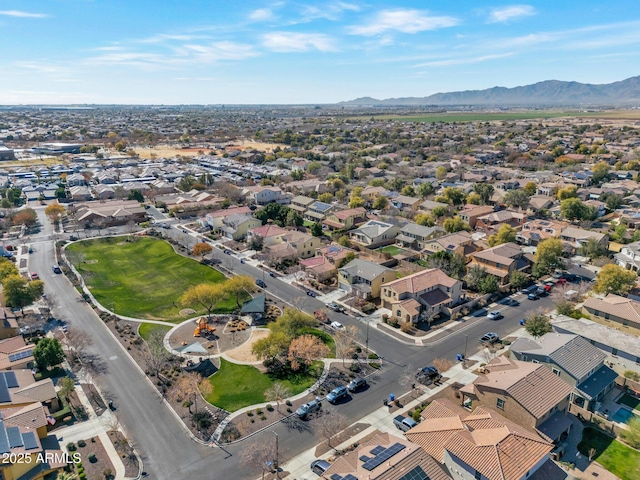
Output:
(141, 279)
(630, 401)
(502, 116)
(616, 457)
(237, 386)
(145, 329)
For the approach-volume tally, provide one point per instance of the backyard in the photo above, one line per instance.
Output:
(237, 386)
(392, 250)
(616, 457)
(630, 401)
(143, 278)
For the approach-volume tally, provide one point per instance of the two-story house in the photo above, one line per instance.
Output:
(364, 278)
(317, 211)
(416, 236)
(491, 222)
(236, 226)
(263, 195)
(527, 393)
(270, 234)
(300, 204)
(576, 237)
(326, 262)
(471, 213)
(214, 220)
(345, 219)
(421, 295)
(501, 261)
(375, 233)
(369, 193)
(459, 242)
(629, 256)
(574, 360)
(403, 202)
(534, 231)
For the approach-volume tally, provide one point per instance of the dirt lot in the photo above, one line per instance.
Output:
(171, 151)
(243, 352)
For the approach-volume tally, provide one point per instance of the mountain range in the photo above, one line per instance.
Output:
(547, 93)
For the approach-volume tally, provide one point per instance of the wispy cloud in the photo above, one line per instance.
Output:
(403, 20)
(216, 51)
(504, 14)
(165, 37)
(329, 11)
(21, 14)
(464, 61)
(298, 42)
(261, 15)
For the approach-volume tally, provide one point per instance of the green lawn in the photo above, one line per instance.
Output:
(308, 223)
(237, 386)
(142, 279)
(392, 250)
(145, 329)
(616, 457)
(630, 401)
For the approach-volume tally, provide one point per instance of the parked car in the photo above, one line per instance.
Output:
(428, 375)
(56, 269)
(489, 338)
(356, 384)
(34, 276)
(261, 283)
(227, 251)
(319, 467)
(164, 225)
(336, 394)
(541, 291)
(561, 281)
(335, 307)
(272, 274)
(404, 423)
(337, 325)
(532, 296)
(310, 293)
(495, 315)
(308, 408)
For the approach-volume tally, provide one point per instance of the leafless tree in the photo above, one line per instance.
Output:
(331, 424)
(345, 339)
(259, 456)
(277, 393)
(442, 364)
(76, 341)
(154, 354)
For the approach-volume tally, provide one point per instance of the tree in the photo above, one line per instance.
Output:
(356, 202)
(54, 212)
(474, 277)
(615, 279)
(548, 256)
(424, 219)
(293, 219)
(574, 209)
(592, 249)
(600, 172)
(27, 217)
(440, 211)
(518, 279)
(76, 341)
(239, 285)
(48, 353)
(346, 259)
(7, 267)
(186, 183)
(485, 190)
(531, 188)
(325, 197)
(304, 350)
(505, 234)
(453, 196)
(187, 386)
(256, 243)
(202, 249)
(474, 199)
(408, 190)
(316, 229)
(18, 292)
(206, 295)
(489, 284)
(331, 424)
(380, 203)
(260, 456)
(276, 393)
(154, 354)
(344, 241)
(67, 385)
(516, 199)
(425, 189)
(455, 224)
(441, 172)
(567, 192)
(614, 201)
(537, 325)
(344, 340)
(135, 195)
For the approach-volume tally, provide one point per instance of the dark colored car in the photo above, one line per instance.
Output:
(311, 294)
(261, 283)
(428, 375)
(337, 394)
(227, 252)
(56, 269)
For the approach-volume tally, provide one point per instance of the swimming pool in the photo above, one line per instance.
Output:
(622, 416)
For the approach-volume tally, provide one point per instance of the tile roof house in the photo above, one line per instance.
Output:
(364, 278)
(491, 222)
(535, 231)
(459, 242)
(471, 213)
(346, 219)
(629, 256)
(415, 236)
(572, 359)
(375, 233)
(112, 212)
(529, 394)
(8, 323)
(421, 296)
(15, 354)
(325, 264)
(577, 237)
(271, 234)
(407, 462)
(482, 445)
(19, 388)
(615, 308)
(501, 261)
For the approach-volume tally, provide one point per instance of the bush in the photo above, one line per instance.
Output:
(354, 367)
(92, 458)
(258, 411)
(374, 365)
(288, 403)
(406, 327)
(107, 473)
(394, 322)
(71, 447)
(269, 407)
(630, 374)
(82, 476)
(373, 356)
(368, 308)
(82, 443)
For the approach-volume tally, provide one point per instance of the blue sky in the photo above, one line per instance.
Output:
(212, 52)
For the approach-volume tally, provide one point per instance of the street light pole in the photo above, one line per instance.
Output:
(277, 465)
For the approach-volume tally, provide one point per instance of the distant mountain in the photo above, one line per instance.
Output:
(549, 93)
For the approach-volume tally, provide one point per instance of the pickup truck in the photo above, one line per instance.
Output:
(404, 423)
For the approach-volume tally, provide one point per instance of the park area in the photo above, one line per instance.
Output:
(142, 278)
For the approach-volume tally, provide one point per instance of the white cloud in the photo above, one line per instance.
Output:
(164, 37)
(20, 14)
(261, 15)
(220, 51)
(330, 11)
(464, 61)
(403, 20)
(504, 14)
(298, 42)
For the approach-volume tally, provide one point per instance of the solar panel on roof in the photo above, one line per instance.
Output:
(364, 458)
(12, 381)
(349, 477)
(15, 438)
(30, 441)
(4, 440)
(4, 390)
(336, 476)
(377, 450)
(415, 474)
(383, 456)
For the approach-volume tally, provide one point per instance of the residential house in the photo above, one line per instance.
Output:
(370, 193)
(215, 219)
(459, 242)
(364, 278)
(482, 445)
(528, 394)
(501, 261)
(300, 203)
(615, 308)
(421, 296)
(375, 234)
(76, 179)
(21, 389)
(429, 205)
(325, 264)
(304, 244)
(575, 238)
(491, 222)
(317, 211)
(534, 231)
(471, 213)
(263, 195)
(236, 226)
(629, 256)
(307, 186)
(103, 192)
(80, 193)
(8, 323)
(416, 236)
(345, 219)
(403, 202)
(15, 354)
(112, 212)
(271, 234)
(574, 360)
(540, 202)
(386, 457)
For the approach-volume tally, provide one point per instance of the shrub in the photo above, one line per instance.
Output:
(374, 365)
(394, 322)
(406, 327)
(82, 476)
(269, 407)
(187, 403)
(250, 413)
(289, 410)
(354, 367)
(630, 374)
(416, 415)
(82, 443)
(373, 356)
(288, 403)
(263, 417)
(71, 447)
(107, 473)
(258, 411)
(368, 308)
(92, 458)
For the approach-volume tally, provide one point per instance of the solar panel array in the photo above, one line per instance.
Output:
(383, 456)
(14, 357)
(4, 389)
(12, 381)
(415, 474)
(377, 450)
(15, 438)
(4, 439)
(337, 476)
(30, 441)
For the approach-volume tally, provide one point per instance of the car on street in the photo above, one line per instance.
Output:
(495, 315)
(541, 291)
(489, 338)
(356, 384)
(319, 467)
(310, 293)
(335, 307)
(272, 274)
(533, 296)
(164, 225)
(337, 325)
(34, 276)
(261, 283)
(227, 252)
(56, 269)
(337, 393)
(308, 408)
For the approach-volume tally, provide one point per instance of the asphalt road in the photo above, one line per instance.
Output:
(166, 449)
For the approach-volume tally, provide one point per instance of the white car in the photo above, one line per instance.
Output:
(495, 315)
(337, 325)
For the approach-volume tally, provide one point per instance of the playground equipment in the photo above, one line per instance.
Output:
(203, 326)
